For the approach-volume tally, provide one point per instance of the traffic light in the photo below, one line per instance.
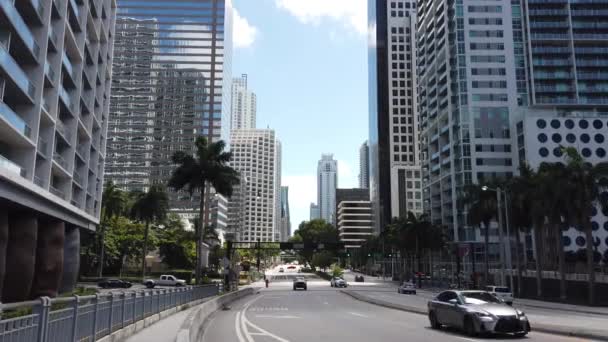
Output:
(348, 254)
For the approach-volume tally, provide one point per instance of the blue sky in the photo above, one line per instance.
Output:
(307, 63)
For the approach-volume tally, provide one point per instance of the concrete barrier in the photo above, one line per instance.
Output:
(192, 327)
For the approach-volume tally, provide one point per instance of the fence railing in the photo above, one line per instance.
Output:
(89, 318)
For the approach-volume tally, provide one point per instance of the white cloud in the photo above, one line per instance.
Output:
(302, 192)
(244, 34)
(351, 13)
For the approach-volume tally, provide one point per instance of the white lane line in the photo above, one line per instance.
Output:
(275, 316)
(264, 331)
(237, 326)
(358, 314)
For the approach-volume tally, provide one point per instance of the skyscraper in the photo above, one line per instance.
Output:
(285, 219)
(354, 217)
(481, 77)
(394, 147)
(315, 213)
(468, 89)
(244, 105)
(327, 181)
(55, 62)
(255, 156)
(364, 166)
(172, 63)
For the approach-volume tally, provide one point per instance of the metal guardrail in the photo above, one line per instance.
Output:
(90, 318)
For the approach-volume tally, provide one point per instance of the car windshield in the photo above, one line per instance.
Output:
(502, 290)
(478, 298)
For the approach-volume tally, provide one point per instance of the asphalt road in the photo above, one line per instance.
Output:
(324, 314)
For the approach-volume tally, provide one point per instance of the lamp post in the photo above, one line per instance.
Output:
(504, 248)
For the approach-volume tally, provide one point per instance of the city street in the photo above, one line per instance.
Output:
(325, 314)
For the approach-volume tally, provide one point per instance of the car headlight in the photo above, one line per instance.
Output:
(484, 316)
(520, 314)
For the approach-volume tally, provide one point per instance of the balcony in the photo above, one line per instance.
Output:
(15, 72)
(20, 26)
(592, 76)
(9, 165)
(61, 129)
(38, 181)
(15, 120)
(590, 36)
(60, 160)
(550, 36)
(554, 89)
(43, 147)
(69, 67)
(591, 63)
(57, 192)
(49, 73)
(36, 7)
(53, 38)
(553, 75)
(81, 151)
(78, 179)
(67, 100)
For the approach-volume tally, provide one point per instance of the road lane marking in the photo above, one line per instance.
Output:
(275, 316)
(358, 314)
(245, 324)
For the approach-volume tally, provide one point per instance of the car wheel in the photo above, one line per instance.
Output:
(520, 335)
(433, 319)
(469, 327)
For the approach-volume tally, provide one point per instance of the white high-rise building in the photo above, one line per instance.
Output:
(327, 181)
(244, 105)
(314, 212)
(256, 154)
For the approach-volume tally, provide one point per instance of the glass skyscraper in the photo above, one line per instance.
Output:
(172, 71)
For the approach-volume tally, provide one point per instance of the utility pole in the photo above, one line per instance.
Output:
(258, 246)
(508, 244)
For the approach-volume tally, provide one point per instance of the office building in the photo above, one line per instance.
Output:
(172, 65)
(244, 105)
(354, 216)
(255, 156)
(364, 166)
(541, 134)
(315, 213)
(394, 147)
(55, 64)
(285, 219)
(236, 208)
(327, 181)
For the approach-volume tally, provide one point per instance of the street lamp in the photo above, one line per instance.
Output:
(502, 245)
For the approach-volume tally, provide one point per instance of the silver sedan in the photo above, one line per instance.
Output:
(476, 312)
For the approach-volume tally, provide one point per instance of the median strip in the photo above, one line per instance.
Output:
(544, 328)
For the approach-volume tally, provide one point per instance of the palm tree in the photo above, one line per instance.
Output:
(482, 207)
(587, 183)
(556, 204)
(521, 200)
(113, 203)
(207, 168)
(151, 206)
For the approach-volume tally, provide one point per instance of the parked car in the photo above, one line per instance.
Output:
(114, 283)
(501, 292)
(164, 280)
(407, 288)
(337, 282)
(281, 270)
(300, 283)
(359, 279)
(476, 312)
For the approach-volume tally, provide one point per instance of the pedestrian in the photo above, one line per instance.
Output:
(266, 281)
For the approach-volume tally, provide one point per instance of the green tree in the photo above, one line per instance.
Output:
(587, 183)
(523, 208)
(556, 203)
(207, 167)
(322, 260)
(482, 208)
(314, 232)
(149, 207)
(124, 240)
(336, 270)
(176, 245)
(113, 204)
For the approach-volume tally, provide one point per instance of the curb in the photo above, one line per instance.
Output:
(544, 328)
